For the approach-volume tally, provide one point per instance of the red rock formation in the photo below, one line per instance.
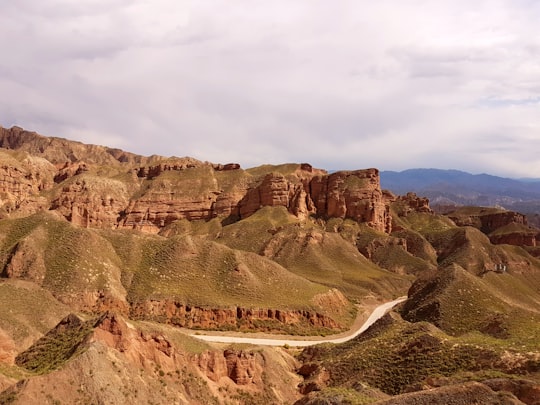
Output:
(68, 170)
(150, 172)
(8, 349)
(169, 311)
(181, 188)
(272, 191)
(92, 202)
(377, 243)
(502, 227)
(415, 203)
(229, 166)
(489, 221)
(315, 376)
(516, 238)
(525, 390)
(21, 183)
(59, 150)
(241, 366)
(356, 195)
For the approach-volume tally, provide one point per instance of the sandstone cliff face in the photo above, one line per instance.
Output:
(503, 227)
(356, 195)
(240, 366)
(175, 313)
(489, 221)
(530, 238)
(112, 360)
(59, 151)
(414, 203)
(22, 181)
(155, 191)
(92, 202)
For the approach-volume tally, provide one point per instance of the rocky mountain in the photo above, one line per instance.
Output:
(449, 188)
(106, 257)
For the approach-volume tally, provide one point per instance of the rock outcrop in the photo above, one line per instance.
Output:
(241, 366)
(22, 181)
(488, 221)
(502, 227)
(59, 150)
(92, 202)
(378, 243)
(356, 195)
(527, 237)
(149, 193)
(415, 203)
(175, 313)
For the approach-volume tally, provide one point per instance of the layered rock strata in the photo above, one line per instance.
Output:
(153, 192)
(175, 313)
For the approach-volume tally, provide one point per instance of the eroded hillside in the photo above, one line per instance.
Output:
(106, 257)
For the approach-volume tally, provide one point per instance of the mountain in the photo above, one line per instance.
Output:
(461, 188)
(106, 257)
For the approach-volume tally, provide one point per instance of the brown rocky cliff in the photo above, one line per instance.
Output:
(402, 206)
(169, 311)
(90, 201)
(242, 367)
(489, 221)
(59, 150)
(21, 182)
(356, 195)
(523, 238)
(113, 360)
(164, 190)
(377, 243)
(140, 347)
(415, 203)
(503, 227)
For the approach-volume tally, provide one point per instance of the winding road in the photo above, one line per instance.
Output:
(377, 313)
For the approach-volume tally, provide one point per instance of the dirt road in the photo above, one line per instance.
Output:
(377, 313)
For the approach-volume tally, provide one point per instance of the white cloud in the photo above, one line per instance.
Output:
(392, 84)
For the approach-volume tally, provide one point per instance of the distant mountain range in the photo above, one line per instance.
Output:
(454, 187)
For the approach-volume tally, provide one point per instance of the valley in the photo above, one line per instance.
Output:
(114, 267)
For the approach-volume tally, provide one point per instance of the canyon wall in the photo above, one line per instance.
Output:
(189, 316)
(99, 187)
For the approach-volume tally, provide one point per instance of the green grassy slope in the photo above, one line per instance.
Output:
(310, 251)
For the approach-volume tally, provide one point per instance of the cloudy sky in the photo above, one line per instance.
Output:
(343, 84)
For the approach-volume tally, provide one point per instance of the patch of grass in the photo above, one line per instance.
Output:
(321, 255)
(77, 260)
(395, 355)
(344, 396)
(14, 230)
(425, 223)
(13, 371)
(285, 169)
(193, 271)
(56, 347)
(21, 310)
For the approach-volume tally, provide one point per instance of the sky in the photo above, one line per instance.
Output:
(344, 84)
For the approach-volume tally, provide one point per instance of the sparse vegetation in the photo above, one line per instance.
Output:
(395, 355)
(56, 347)
(464, 320)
